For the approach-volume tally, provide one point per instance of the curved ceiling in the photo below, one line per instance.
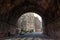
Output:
(12, 9)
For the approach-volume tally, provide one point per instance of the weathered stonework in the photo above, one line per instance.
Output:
(10, 11)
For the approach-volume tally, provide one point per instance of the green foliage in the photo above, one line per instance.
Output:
(31, 31)
(25, 31)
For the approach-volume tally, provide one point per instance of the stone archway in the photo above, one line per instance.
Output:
(11, 11)
(20, 10)
(30, 21)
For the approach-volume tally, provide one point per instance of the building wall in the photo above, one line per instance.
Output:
(26, 22)
(30, 21)
(38, 25)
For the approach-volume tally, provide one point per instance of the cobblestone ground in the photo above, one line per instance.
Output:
(30, 36)
(26, 39)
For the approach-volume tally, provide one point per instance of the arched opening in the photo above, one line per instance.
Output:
(30, 22)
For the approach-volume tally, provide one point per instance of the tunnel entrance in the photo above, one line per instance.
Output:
(30, 22)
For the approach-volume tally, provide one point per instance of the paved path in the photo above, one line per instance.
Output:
(34, 35)
(31, 36)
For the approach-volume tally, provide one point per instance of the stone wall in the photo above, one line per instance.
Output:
(54, 29)
(5, 28)
(50, 9)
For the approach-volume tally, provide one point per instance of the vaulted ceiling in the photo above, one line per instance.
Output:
(12, 9)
